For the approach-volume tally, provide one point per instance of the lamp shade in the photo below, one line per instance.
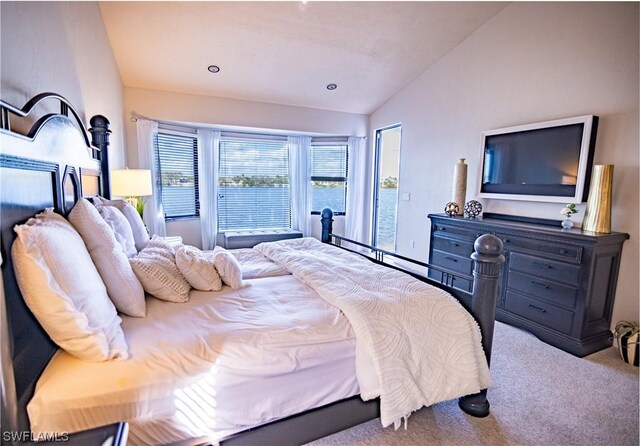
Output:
(131, 182)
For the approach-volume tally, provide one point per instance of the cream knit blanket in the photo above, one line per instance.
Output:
(424, 346)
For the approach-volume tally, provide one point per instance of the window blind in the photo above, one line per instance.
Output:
(178, 170)
(329, 177)
(253, 185)
(329, 162)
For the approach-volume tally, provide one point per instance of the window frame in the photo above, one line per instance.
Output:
(344, 179)
(196, 181)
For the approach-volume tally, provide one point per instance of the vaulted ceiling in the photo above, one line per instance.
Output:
(287, 52)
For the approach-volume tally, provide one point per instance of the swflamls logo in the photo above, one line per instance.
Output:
(28, 436)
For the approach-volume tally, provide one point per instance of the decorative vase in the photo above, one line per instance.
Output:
(567, 223)
(460, 185)
(597, 217)
(628, 340)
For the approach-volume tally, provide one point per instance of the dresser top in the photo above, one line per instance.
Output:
(546, 227)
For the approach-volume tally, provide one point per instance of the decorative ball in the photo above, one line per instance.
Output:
(473, 208)
(451, 209)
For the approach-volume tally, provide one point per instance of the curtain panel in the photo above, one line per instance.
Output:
(208, 154)
(300, 183)
(147, 132)
(359, 179)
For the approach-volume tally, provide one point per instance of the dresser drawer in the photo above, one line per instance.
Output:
(546, 314)
(454, 230)
(451, 261)
(558, 250)
(542, 267)
(544, 289)
(462, 248)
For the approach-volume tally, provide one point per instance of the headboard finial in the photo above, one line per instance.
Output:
(100, 140)
(100, 121)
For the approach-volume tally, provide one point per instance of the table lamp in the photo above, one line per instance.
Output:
(131, 183)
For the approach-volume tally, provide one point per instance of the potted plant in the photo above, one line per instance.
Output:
(568, 211)
(626, 336)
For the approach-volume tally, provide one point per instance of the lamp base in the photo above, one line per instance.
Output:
(133, 201)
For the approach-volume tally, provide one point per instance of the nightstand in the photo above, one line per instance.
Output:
(111, 435)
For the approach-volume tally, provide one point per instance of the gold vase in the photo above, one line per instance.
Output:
(597, 217)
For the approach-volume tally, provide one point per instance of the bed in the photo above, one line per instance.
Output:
(277, 325)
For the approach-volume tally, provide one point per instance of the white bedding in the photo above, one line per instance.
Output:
(254, 264)
(218, 364)
(424, 347)
(227, 361)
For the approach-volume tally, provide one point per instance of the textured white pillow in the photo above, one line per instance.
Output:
(123, 287)
(139, 230)
(198, 268)
(121, 228)
(156, 269)
(228, 268)
(159, 242)
(62, 288)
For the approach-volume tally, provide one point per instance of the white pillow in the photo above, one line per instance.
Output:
(63, 289)
(228, 268)
(121, 228)
(159, 242)
(123, 287)
(139, 230)
(198, 268)
(157, 271)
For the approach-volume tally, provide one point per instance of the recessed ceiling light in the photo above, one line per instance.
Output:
(331, 86)
(213, 68)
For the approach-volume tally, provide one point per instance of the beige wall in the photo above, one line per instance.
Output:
(531, 62)
(195, 109)
(62, 47)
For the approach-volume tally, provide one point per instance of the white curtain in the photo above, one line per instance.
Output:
(358, 212)
(208, 155)
(299, 181)
(153, 212)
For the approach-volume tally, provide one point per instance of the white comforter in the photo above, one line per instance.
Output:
(424, 347)
(220, 363)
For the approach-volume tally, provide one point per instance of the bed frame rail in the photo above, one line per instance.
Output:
(487, 265)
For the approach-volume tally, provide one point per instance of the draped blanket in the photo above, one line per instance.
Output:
(423, 345)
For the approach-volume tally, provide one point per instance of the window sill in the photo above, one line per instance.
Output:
(334, 214)
(188, 217)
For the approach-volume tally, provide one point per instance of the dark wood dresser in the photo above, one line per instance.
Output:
(558, 284)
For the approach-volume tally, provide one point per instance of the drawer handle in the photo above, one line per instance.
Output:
(506, 240)
(541, 285)
(541, 310)
(451, 259)
(454, 244)
(563, 251)
(544, 265)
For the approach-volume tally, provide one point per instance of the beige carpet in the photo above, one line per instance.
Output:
(541, 396)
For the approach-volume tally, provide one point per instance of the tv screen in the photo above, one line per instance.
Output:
(546, 161)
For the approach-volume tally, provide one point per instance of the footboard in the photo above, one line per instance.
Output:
(487, 265)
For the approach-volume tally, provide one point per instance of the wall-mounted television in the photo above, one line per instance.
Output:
(546, 161)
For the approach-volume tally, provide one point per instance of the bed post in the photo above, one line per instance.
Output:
(327, 225)
(100, 138)
(488, 260)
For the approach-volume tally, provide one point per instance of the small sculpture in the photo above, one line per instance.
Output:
(451, 209)
(472, 209)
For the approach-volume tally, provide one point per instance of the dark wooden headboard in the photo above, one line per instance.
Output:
(52, 165)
